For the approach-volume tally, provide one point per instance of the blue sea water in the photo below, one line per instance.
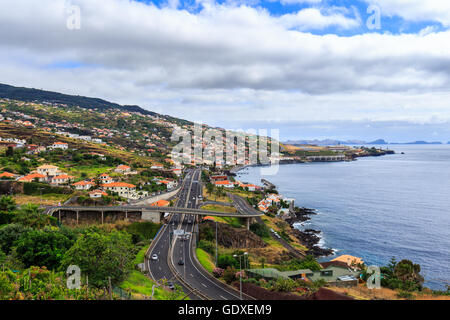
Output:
(378, 207)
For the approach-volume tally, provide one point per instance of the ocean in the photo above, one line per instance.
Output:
(378, 207)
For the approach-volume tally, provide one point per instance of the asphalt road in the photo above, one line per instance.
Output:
(190, 270)
(159, 269)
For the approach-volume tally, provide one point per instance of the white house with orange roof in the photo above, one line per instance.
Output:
(59, 145)
(123, 189)
(224, 183)
(97, 194)
(61, 179)
(105, 178)
(48, 170)
(83, 185)
(122, 169)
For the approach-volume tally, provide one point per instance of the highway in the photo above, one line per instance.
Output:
(190, 270)
(159, 269)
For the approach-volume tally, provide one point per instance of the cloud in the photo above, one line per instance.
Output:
(226, 63)
(416, 10)
(314, 18)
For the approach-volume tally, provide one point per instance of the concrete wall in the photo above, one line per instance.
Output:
(151, 216)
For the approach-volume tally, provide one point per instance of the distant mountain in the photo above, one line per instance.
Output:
(326, 142)
(379, 141)
(331, 142)
(419, 142)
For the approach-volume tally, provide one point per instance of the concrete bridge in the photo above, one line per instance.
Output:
(134, 213)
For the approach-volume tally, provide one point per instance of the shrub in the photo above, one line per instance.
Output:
(208, 246)
(224, 261)
(229, 275)
(284, 285)
(405, 295)
(218, 272)
(260, 230)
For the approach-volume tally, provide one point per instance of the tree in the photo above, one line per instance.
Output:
(101, 255)
(210, 188)
(43, 248)
(7, 204)
(32, 216)
(10, 234)
(262, 260)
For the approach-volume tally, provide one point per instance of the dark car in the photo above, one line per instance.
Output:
(170, 285)
(180, 262)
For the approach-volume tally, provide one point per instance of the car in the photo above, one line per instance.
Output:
(170, 285)
(180, 262)
(154, 256)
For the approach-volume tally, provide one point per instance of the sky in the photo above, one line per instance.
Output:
(360, 69)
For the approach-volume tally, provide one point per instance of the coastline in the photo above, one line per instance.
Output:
(311, 238)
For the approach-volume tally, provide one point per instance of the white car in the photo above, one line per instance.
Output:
(154, 256)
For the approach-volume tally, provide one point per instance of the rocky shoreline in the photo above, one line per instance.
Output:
(309, 237)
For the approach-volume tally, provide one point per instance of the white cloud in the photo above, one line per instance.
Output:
(314, 18)
(226, 63)
(416, 10)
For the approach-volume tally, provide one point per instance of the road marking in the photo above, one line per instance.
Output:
(203, 284)
(223, 297)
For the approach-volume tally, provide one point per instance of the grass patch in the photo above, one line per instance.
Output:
(140, 287)
(50, 199)
(219, 208)
(205, 259)
(140, 257)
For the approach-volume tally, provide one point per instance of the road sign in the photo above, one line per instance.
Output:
(179, 232)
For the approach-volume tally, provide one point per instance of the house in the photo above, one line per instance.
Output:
(218, 178)
(105, 179)
(169, 184)
(83, 185)
(122, 169)
(224, 183)
(160, 203)
(48, 170)
(32, 177)
(123, 189)
(157, 166)
(334, 275)
(177, 171)
(7, 175)
(97, 194)
(59, 145)
(62, 179)
(351, 261)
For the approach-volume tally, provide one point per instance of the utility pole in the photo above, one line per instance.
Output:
(240, 272)
(216, 245)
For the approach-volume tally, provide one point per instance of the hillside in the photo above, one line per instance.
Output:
(42, 96)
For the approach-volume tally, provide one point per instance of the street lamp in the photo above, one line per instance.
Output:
(240, 271)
